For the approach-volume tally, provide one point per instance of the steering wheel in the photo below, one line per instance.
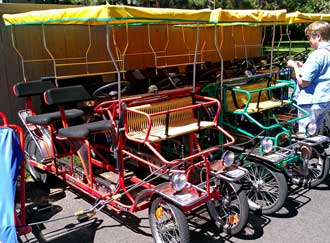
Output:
(210, 74)
(110, 91)
(302, 56)
(247, 67)
(172, 81)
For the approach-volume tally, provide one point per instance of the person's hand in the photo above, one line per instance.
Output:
(291, 63)
(299, 64)
(294, 64)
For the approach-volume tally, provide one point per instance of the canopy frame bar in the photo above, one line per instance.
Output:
(60, 62)
(218, 50)
(166, 62)
(195, 57)
(107, 36)
(13, 41)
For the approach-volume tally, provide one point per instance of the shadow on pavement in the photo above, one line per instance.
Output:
(325, 186)
(128, 220)
(40, 211)
(80, 232)
(202, 228)
(297, 198)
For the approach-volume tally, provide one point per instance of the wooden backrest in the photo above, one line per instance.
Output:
(237, 100)
(137, 122)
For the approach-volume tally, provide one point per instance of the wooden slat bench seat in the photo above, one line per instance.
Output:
(263, 105)
(163, 120)
(237, 97)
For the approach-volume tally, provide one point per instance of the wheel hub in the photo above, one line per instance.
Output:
(226, 201)
(259, 185)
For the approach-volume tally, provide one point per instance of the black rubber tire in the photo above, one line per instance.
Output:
(325, 129)
(31, 149)
(229, 192)
(325, 164)
(255, 193)
(181, 230)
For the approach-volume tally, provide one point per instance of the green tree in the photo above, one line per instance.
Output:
(308, 6)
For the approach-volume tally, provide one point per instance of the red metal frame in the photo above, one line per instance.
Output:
(196, 159)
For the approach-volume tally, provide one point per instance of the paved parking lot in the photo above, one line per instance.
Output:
(304, 219)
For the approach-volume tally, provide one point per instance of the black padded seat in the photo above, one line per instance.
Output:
(32, 88)
(47, 118)
(83, 131)
(66, 95)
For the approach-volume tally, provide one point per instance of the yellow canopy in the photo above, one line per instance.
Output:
(115, 14)
(298, 17)
(139, 15)
(255, 16)
(107, 13)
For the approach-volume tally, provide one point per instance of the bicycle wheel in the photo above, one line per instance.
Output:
(229, 211)
(268, 189)
(318, 166)
(167, 222)
(325, 129)
(32, 151)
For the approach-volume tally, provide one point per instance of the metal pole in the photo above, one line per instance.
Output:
(89, 46)
(114, 63)
(49, 53)
(271, 51)
(195, 58)
(18, 52)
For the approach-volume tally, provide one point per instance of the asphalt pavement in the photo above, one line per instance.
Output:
(305, 218)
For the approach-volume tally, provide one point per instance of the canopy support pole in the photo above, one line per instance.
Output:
(89, 47)
(122, 57)
(272, 50)
(287, 33)
(185, 43)
(152, 49)
(263, 39)
(215, 41)
(120, 54)
(289, 38)
(44, 41)
(195, 58)
(114, 62)
(245, 48)
(18, 52)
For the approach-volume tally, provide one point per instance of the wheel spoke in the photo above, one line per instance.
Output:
(265, 190)
(165, 223)
(315, 166)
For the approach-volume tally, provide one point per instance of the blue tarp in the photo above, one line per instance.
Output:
(10, 160)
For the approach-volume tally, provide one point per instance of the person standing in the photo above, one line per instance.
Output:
(313, 76)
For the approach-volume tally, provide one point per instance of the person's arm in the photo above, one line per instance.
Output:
(296, 65)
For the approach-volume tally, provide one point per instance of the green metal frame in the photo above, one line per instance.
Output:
(212, 90)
